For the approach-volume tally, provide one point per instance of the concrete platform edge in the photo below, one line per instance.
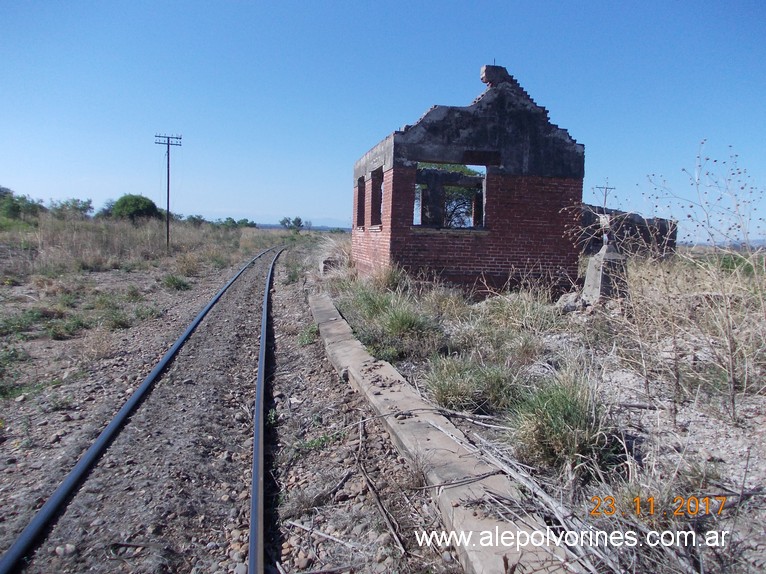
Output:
(422, 435)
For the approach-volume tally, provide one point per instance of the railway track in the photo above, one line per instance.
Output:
(176, 460)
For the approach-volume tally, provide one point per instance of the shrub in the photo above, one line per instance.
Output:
(188, 264)
(135, 207)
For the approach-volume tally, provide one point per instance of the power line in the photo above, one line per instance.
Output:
(167, 141)
(605, 189)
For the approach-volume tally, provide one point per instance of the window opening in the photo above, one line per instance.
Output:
(360, 200)
(376, 191)
(449, 196)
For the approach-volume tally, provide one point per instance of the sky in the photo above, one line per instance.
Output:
(275, 101)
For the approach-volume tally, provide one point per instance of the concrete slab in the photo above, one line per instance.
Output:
(423, 436)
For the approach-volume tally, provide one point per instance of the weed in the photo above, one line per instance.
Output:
(114, 319)
(188, 265)
(218, 260)
(133, 294)
(67, 327)
(145, 312)
(21, 322)
(271, 418)
(318, 443)
(371, 303)
(106, 300)
(176, 283)
(401, 320)
(293, 274)
(67, 299)
(9, 356)
(308, 335)
(393, 279)
(97, 344)
(60, 403)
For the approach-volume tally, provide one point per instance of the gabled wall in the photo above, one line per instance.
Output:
(534, 172)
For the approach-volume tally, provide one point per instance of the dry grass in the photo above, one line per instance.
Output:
(58, 246)
(692, 330)
(696, 322)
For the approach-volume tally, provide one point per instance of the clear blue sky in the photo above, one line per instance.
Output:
(277, 100)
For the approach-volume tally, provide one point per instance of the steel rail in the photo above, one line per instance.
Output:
(32, 534)
(255, 546)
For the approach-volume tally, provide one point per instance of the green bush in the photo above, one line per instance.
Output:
(135, 207)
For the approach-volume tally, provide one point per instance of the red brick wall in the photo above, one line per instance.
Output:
(524, 232)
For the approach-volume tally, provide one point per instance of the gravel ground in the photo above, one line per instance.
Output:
(341, 499)
(336, 474)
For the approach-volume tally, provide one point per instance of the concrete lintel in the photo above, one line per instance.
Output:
(423, 436)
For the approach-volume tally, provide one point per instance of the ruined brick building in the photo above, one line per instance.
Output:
(505, 217)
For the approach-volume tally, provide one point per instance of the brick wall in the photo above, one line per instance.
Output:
(524, 232)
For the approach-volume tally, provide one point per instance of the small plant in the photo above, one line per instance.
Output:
(114, 319)
(20, 323)
(219, 262)
(401, 320)
(67, 327)
(188, 265)
(318, 443)
(67, 299)
(308, 335)
(371, 302)
(60, 403)
(459, 383)
(293, 274)
(133, 294)
(145, 312)
(9, 356)
(271, 418)
(561, 426)
(176, 283)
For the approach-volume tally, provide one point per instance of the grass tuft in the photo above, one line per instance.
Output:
(561, 425)
(176, 283)
(461, 384)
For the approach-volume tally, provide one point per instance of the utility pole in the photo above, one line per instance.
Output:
(605, 189)
(167, 141)
(604, 218)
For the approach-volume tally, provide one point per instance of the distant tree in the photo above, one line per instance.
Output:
(71, 208)
(295, 224)
(19, 206)
(9, 207)
(135, 207)
(106, 211)
(195, 220)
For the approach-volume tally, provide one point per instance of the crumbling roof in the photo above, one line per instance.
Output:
(503, 128)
